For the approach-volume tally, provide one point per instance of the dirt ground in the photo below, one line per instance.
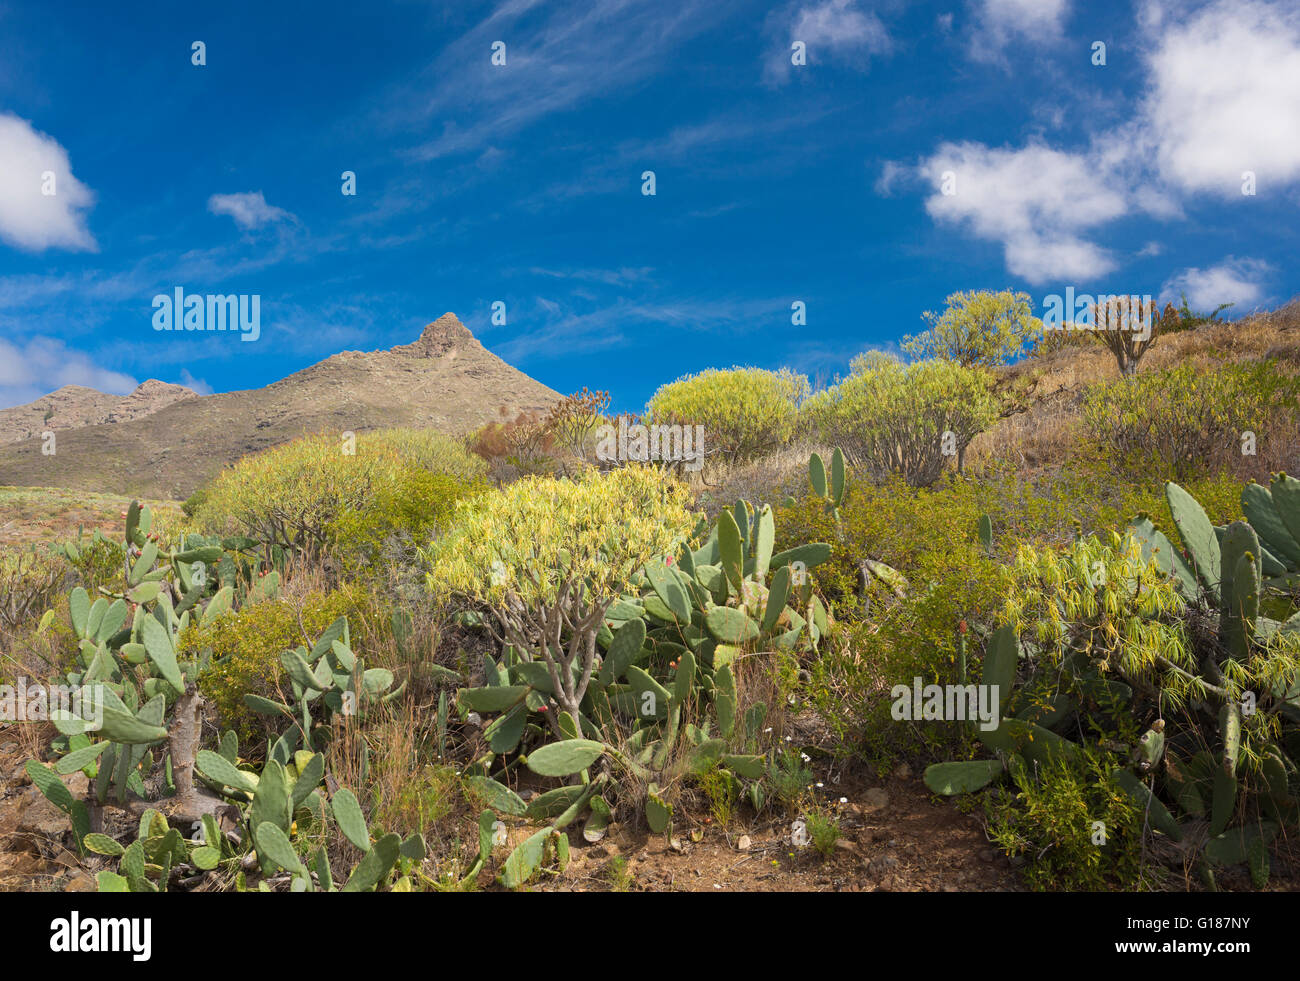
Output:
(895, 838)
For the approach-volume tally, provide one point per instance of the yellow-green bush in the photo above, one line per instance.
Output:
(979, 327)
(520, 542)
(1188, 420)
(745, 412)
(246, 647)
(891, 418)
(1049, 816)
(293, 495)
(409, 509)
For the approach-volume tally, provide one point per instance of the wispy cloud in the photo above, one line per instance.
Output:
(996, 23)
(556, 59)
(248, 208)
(832, 31)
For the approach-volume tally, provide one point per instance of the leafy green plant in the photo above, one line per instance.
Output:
(1111, 638)
(823, 830)
(1188, 421)
(905, 419)
(745, 412)
(978, 328)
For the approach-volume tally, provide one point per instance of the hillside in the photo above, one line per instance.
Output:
(75, 406)
(444, 380)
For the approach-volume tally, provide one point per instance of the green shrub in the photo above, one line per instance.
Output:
(823, 831)
(892, 418)
(294, 494)
(979, 327)
(101, 563)
(745, 412)
(1188, 420)
(246, 646)
(406, 511)
(543, 552)
(1073, 822)
(30, 583)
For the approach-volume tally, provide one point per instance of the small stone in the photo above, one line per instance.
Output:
(876, 798)
(988, 855)
(903, 772)
(43, 818)
(883, 863)
(744, 844)
(81, 882)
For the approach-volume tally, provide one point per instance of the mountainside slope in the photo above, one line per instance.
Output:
(75, 406)
(446, 380)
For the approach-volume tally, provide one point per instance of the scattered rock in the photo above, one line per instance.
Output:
(743, 844)
(882, 863)
(845, 845)
(43, 818)
(81, 882)
(876, 798)
(902, 772)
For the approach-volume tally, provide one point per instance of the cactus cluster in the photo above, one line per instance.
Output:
(126, 675)
(331, 674)
(667, 649)
(1244, 785)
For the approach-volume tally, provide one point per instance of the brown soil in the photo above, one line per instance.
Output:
(895, 838)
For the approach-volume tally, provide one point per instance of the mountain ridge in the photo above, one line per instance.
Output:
(444, 380)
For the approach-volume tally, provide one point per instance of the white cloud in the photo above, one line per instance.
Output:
(1034, 200)
(44, 364)
(30, 219)
(891, 174)
(1225, 95)
(999, 22)
(833, 30)
(1236, 281)
(249, 209)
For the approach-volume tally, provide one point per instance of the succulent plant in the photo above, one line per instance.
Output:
(1227, 572)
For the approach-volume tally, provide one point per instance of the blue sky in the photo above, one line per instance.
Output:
(820, 183)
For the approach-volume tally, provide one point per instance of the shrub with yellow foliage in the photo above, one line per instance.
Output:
(548, 557)
(295, 495)
(745, 412)
(892, 418)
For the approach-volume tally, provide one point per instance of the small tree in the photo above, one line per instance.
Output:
(548, 557)
(1129, 328)
(575, 418)
(977, 328)
(906, 419)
